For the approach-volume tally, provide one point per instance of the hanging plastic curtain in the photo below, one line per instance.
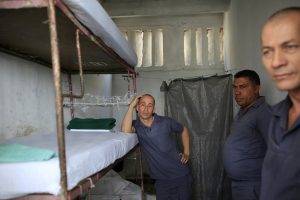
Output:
(205, 107)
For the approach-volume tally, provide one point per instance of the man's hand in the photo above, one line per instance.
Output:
(135, 101)
(184, 158)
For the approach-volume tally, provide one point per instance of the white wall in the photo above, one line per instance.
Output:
(96, 86)
(149, 79)
(26, 103)
(243, 23)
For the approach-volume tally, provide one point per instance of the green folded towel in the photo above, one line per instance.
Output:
(22, 153)
(90, 123)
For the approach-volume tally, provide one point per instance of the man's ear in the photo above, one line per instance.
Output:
(137, 108)
(257, 88)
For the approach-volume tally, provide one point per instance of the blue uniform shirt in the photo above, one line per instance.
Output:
(245, 148)
(281, 167)
(160, 148)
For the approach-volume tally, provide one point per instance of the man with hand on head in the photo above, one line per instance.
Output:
(280, 40)
(167, 165)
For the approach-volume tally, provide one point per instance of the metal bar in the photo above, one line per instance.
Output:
(17, 4)
(142, 176)
(80, 68)
(71, 98)
(128, 86)
(134, 83)
(58, 99)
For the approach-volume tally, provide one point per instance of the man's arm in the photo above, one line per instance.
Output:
(126, 125)
(186, 145)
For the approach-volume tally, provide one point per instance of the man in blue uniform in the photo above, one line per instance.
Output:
(245, 148)
(167, 166)
(281, 57)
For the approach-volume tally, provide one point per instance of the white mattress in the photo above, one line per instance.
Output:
(93, 16)
(86, 152)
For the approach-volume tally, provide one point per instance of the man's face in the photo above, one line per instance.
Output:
(281, 51)
(245, 92)
(145, 107)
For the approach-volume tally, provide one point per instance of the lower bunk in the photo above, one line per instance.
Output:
(89, 156)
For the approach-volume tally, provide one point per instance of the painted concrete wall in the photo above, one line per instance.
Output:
(243, 23)
(96, 86)
(27, 97)
(26, 103)
(149, 79)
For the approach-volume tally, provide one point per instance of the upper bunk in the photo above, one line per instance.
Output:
(25, 33)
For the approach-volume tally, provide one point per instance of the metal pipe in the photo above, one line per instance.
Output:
(80, 69)
(141, 171)
(58, 98)
(71, 93)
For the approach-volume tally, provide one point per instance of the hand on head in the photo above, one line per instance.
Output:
(135, 101)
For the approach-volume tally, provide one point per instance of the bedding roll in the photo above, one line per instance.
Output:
(90, 123)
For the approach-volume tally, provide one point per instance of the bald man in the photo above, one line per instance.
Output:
(280, 39)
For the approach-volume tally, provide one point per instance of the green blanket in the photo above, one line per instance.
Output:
(90, 123)
(22, 153)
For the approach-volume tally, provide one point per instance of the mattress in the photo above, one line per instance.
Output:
(93, 16)
(86, 154)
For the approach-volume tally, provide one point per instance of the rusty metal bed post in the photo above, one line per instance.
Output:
(58, 98)
(71, 93)
(78, 48)
(141, 172)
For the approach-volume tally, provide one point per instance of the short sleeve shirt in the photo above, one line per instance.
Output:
(281, 167)
(245, 148)
(159, 147)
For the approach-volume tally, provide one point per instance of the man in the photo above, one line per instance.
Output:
(281, 57)
(167, 166)
(245, 148)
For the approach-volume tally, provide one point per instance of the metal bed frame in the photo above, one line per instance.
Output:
(120, 66)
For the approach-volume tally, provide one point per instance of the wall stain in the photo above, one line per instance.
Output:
(25, 130)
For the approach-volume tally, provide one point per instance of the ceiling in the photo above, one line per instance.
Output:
(129, 8)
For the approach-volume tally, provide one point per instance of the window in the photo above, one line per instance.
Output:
(148, 45)
(158, 48)
(147, 49)
(177, 42)
(138, 47)
(199, 53)
(208, 44)
(187, 46)
(221, 36)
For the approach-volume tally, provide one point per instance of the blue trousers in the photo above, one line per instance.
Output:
(245, 190)
(174, 189)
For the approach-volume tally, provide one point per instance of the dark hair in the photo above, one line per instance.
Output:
(149, 95)
(252, 75)
(284, 11)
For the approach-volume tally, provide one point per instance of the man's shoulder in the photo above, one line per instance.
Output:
(164, 119)
(280, 107)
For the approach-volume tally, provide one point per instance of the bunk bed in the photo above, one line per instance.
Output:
(71, 37)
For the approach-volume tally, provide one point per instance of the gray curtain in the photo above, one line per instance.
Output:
(204, 106)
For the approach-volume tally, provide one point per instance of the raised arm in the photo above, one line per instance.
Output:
(186, 145)
(126, 125)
